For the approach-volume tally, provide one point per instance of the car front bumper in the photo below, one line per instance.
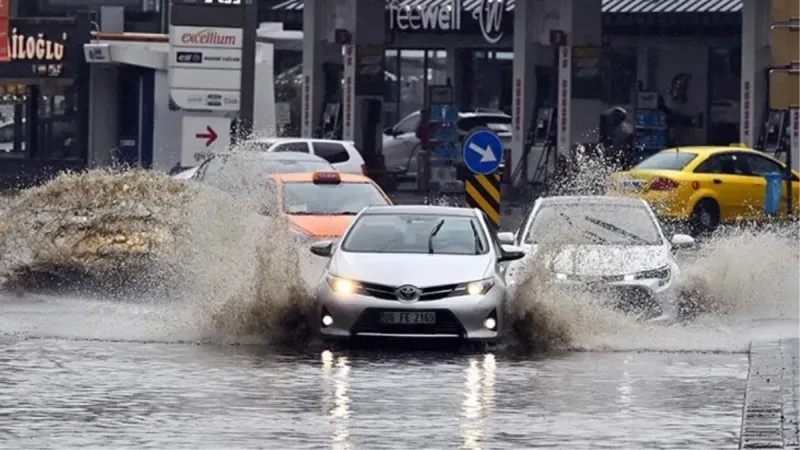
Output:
(458, 317)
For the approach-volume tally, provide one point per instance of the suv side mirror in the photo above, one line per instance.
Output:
(322, 248)
(389, 131)
(511, 253)
(682, 241)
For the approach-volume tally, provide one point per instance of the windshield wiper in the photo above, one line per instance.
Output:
(615, 229)
(478, 245)
(434, 231)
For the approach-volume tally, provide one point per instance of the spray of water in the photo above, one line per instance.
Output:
(235, 273)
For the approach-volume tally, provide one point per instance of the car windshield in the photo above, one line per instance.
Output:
(594, 224)
(254, 165)
(411, 233)
(667, 160)
(307, 198)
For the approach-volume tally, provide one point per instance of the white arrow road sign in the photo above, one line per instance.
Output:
(487, 155)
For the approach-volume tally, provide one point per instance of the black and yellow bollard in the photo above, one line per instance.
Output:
(483, 192)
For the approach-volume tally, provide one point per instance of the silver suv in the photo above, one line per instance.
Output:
(400, 142)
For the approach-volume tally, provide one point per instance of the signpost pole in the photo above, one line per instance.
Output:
(792, 152)
(248, 75)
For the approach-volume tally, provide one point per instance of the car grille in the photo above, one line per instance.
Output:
(388, 292)
(369, 322)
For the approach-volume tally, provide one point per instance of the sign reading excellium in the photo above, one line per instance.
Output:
(447, 16)
(205, 59)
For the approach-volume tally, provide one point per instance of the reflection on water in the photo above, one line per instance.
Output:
(476, 409)
(335, 400)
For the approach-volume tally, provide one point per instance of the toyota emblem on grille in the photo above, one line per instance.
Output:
(408, 293)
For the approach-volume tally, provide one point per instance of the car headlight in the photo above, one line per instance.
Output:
(344, 286)
(661, 274)
(479, 287)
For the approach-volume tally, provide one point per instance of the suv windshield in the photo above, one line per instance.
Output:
(307, 198)
(407, 233)
(667, 160)
(594, 224)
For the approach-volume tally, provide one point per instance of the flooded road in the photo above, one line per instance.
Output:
(75, 374)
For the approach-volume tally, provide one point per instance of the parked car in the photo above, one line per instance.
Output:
(400, 141)
(343, 155)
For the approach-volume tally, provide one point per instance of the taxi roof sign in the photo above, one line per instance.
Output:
(326, 177)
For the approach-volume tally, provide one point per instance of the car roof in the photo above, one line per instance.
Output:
(308, 177)
(433, 210)
(709, 150)
(275, 156)
(279, 140)
(591, 200)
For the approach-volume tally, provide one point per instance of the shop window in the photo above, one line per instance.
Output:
(412, 81)
(391, 96)
(492, 76)
(12, 120)
(57, 130)
(619, 75)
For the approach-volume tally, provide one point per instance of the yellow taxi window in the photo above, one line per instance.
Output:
(307, 198)
(667, 160)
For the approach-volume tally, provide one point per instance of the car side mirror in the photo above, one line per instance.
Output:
(322, 248)
(682, 241)
(506, 238)
(389, 132)
(511, 253)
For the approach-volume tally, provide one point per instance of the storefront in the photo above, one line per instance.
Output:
(44, 90)
(644, 49)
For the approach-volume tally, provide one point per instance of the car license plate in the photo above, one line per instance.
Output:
(629, 185)
(408, 318)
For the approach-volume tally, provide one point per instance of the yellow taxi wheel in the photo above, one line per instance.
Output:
(705, 217)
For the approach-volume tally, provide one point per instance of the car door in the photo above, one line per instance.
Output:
(722, 174)
(399, 143)
(759, 166)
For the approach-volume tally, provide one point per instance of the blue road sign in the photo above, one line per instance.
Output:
(483, 152)
(447, 132)
(443, 113)
(446, 150)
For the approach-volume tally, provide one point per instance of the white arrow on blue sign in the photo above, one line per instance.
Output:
(483, 152)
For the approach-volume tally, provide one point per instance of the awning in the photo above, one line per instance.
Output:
(671, 6)
(609, 6)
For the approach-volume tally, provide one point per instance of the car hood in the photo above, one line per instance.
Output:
(603, 260)
(320, 226)
(421, 270)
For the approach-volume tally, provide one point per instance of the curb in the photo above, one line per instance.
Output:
(770, 413)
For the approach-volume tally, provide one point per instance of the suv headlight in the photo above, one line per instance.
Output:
(344, 286)
(479, 287)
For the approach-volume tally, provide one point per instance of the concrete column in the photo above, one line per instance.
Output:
(314, 32)
(583, 19)
(755, 59)
(524, 82)
(364, 80)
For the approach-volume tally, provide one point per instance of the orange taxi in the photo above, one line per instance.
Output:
(321, 205)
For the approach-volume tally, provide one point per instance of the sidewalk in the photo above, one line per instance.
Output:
(770, 415)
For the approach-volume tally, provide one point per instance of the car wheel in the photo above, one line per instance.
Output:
(705, 217)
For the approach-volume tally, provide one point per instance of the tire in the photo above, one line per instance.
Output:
(705, 217)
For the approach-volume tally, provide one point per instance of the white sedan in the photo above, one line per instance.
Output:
(609, 245)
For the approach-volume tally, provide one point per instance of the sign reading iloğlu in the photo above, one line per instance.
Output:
(448, 15)
(205, 60)
(42, 48)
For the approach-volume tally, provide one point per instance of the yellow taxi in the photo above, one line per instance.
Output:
(321, 205)
(705, 186)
